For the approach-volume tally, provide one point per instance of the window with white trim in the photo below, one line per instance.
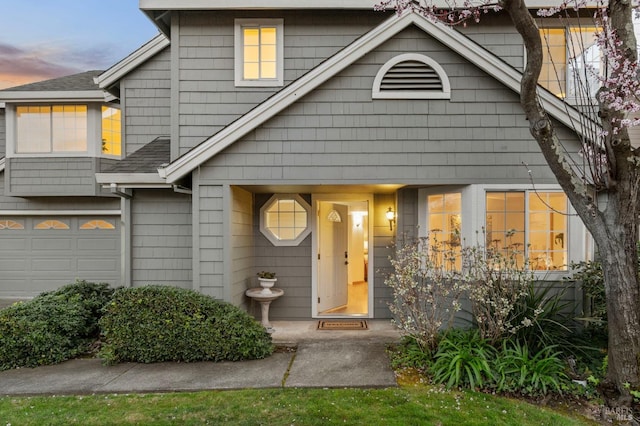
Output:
(444, 222)
(284, 219)
(534, 223)
(259, 50)
(571, 62)
(45, 129)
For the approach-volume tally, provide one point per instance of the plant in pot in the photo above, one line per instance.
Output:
(267, 280)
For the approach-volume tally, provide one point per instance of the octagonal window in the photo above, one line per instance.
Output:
(284, 219)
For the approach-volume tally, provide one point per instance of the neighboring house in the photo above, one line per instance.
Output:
(246, 138)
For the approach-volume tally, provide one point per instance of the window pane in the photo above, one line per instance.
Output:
(268, 35)
(547, 231)
(33, 129)
(553, 73)
(584, 62)
(268, 70)
(111, 133)
(286, 219)
(259, 53)
(444, 225)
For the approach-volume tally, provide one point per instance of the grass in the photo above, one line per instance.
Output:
(415, 405)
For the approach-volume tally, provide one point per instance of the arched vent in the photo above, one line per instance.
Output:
(411, 76)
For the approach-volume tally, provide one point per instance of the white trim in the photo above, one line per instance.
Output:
(269, 235)
(451, 38)
(60, 212)
(129, 178)
(2, 104)
(369, 198)
(418, 94)
(278, 23)
(53, 96)
(131, 62)
(287, 4)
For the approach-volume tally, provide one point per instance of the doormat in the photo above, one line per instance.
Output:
(342, 325)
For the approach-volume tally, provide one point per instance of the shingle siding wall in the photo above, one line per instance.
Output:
(339, 135)
(147, 100)
(292, 266)
(3, 133)
(51, 176)
(208, 98)
(161, 238)
(242, 240)
(211, 250)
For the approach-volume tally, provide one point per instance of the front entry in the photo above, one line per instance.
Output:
(341, 256)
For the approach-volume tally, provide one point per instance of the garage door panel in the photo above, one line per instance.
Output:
(12, 265)
(13, 244)
(98, 244)
(52, 243)
(97, 265)
(49, 265)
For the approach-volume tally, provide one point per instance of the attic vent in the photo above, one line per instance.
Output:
(411, 76)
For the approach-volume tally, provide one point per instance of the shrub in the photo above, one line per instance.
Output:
(590, 276)
(541, 317)
(426, 289)
(463, 358)
(519, 370)
(52, 327)
(410, 354)
(156, 323)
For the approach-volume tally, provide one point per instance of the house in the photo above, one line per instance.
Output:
(300, 138)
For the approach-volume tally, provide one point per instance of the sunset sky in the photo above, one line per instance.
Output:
(43, 39)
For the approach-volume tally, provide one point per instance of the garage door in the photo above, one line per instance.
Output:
(43, 253)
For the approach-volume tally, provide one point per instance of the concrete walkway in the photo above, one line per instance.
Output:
(306, 358)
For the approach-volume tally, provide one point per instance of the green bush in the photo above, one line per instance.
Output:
(53, 327)
(463, 359)
(156, 323)
(519, 370)
(411, 354)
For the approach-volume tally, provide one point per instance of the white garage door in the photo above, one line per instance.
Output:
(43, 253)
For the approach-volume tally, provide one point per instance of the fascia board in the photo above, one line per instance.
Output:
(295, 4)
(130, 179)
(48, 96)
(131, 62)
(301, 87)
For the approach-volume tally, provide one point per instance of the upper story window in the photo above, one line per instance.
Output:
(64, 130)
(259, 46)
(571, 62)
(51, 128)
(111, 131)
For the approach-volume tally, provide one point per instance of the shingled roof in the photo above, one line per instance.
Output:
(75, 82)
(145, 160)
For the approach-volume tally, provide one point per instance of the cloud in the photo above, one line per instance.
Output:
(21, 66)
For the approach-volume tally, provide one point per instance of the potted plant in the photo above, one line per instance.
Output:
(267, 280)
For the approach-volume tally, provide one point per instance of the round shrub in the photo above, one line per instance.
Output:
(52, 327)
(157, 323)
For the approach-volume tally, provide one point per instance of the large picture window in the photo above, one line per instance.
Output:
(444, 218)
(51, 128)
(533, 223)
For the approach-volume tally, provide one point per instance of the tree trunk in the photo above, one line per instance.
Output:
(617, 250)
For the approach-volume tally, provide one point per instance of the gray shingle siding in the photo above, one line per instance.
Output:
(210, 257)
(241, 243)
(337, 134)
(161, 238)
(146, 99)
(47, 176)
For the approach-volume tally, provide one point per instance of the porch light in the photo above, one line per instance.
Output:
(391, 217)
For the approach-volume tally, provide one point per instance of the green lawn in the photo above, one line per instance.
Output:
(419, 405)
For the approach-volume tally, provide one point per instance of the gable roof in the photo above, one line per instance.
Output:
(70, 87)
(451, 38)
(111, 76)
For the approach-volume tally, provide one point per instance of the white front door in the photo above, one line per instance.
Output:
(333, 255)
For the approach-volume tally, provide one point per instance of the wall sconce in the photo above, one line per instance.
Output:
(391, 217)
